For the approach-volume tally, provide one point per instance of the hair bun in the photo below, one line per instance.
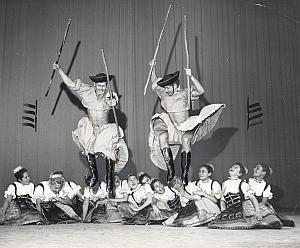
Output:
(211, 166)
(17, 169)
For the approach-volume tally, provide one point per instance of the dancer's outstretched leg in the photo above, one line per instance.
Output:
(186, 157)
(91, 158)
(185, 165)
(168, 157)
(110, 180)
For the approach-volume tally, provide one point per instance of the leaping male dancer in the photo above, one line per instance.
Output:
(95, 135)
(174, 128)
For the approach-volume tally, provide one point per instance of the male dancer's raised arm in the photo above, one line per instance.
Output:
(68, 81)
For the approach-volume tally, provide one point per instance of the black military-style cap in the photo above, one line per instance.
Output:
(101, 77)
(168, 79)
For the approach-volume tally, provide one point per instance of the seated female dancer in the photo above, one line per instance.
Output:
(55, 201)
(262, 192)
(136, 199)
(18, 207)
(121, 187)
(177, 204)
(76, 197)
(239, 206)
(186, 204)
(144, 178)
(210, 192)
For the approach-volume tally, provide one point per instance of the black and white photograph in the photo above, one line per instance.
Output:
(149, 123)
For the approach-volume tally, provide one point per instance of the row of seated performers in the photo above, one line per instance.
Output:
(236, 204)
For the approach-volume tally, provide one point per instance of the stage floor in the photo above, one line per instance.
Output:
(121, 236)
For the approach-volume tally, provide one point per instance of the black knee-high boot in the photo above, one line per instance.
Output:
(93, 168)
(168, 157)
(185, 165)
(110, 179)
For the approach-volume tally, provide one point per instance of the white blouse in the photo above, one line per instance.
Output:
(45, 194)
(71, 187)
(258, 188)
(20, 190)
(166, 196)
(232, 186)
(210, 187)
(99, 194)
(138, 195)
(122, 189)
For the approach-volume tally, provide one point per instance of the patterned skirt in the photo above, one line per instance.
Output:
(270, 219)
(21, 211)
(285, 221)
(103, 213)
(148, 217)
(208, 210)
(186, 216)
(57, 212)
(241, 217)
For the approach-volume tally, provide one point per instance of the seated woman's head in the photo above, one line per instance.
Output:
(22, 175)
(157, 186)
(205, 171)
(56, 181)
(238, 170)
(262, 170)
(132, 181)
(144, 178)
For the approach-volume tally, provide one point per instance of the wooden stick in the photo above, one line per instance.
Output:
(187, 59)
(58, 56)
(110, 92)
(156, 50)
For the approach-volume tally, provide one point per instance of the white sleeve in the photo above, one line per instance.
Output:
(159, 90)
(32, 187)
(104, 192)
(148, 189)
(68, 191)
(11, 190)
(39, 193)
(223, 191)
(83, 90)
(124, 187)
(77, 83)
(191, 187)
(246, 190)
(267, 193)
(216, 190)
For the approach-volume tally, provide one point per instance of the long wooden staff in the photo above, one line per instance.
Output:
(156, 50)
(187, 59)
(110, 92)
(58, 56)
